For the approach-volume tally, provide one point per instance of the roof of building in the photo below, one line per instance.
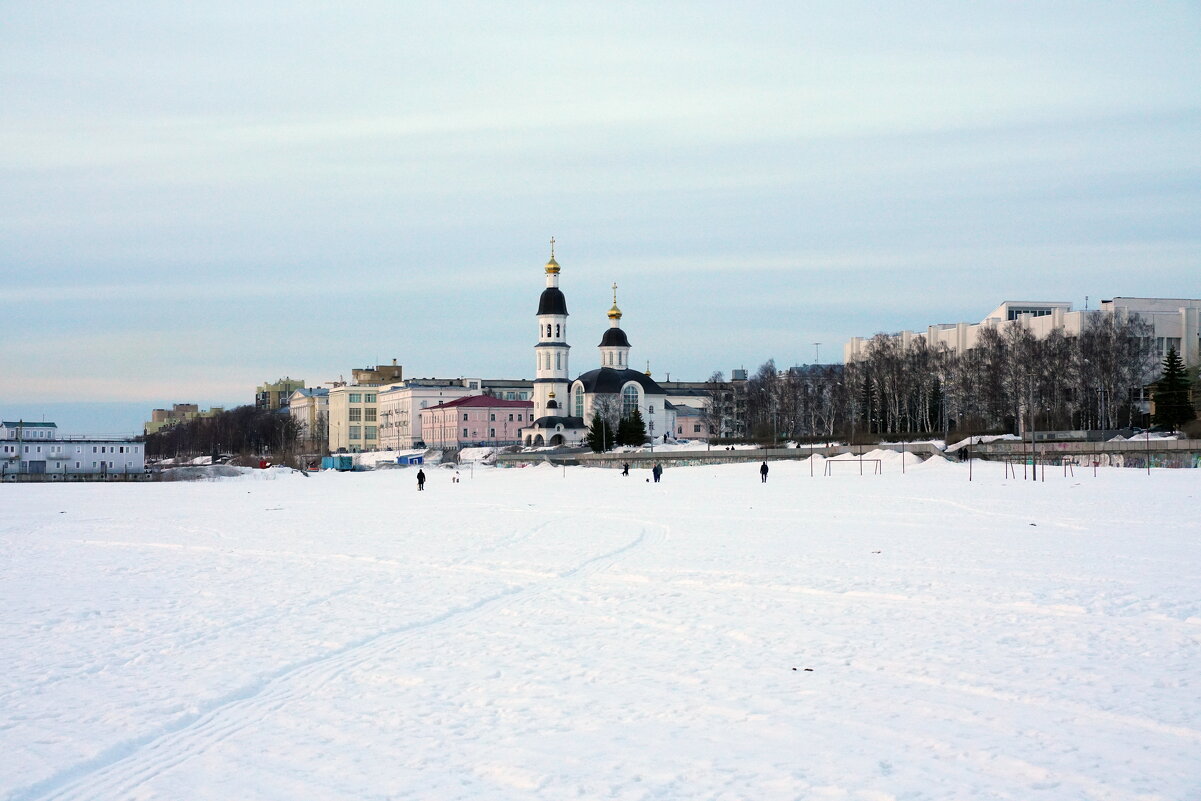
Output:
(485, 401)
(552, 301)
(614, 337)
(610, 379)
(23, 424)
(311, 392)
(551, 421)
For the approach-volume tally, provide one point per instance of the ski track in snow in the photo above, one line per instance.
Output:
(122, 768)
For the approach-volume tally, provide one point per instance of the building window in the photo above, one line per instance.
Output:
(369, 397)
(369, 414)
(556, 330)
(372, 432)
(558, 360)
(629, 400)
(464, 433)
(356, 397)
(356, 414)
(492, 433)
(548, 329)
(464, 416)
(355, 432)
(579, 402)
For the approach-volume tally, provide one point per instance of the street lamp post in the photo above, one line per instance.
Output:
(650, 411)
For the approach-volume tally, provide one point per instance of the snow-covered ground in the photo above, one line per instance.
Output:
(552, 634)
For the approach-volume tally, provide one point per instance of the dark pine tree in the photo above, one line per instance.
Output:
(632, 430)
(600, 435)
(1172, 406)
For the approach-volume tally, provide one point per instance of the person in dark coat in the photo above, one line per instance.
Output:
(657, 471)
(763, 471)
(625, 468)
(420, 480)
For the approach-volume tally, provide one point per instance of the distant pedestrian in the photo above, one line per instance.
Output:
(420, 480)
(625, 469)
(657, 471)
(763, 472)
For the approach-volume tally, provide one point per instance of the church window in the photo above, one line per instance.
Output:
(548, 329)
(558, 360)
(629, 400)
(556, 331)
(579, 402)
(619, 359)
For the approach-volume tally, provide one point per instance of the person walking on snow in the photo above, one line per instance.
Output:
(625, 468)
(657, 471)
(763, 471)
(420, 480)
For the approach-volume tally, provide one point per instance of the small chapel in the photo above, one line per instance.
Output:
(562, 406)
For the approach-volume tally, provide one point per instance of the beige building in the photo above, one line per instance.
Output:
(310, 409)
(1176, 323)
(353, 419)
(275, 396)
(178, 413)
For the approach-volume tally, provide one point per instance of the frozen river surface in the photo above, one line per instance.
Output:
(553, 634)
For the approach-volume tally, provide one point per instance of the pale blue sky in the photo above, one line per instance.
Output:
(197, 198)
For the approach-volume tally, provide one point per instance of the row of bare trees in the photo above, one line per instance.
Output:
(1009, 381)
(245, 430)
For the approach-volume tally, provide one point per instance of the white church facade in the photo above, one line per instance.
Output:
(563, 407)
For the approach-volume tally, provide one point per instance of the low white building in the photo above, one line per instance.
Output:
(1176, 323)
(39, 449)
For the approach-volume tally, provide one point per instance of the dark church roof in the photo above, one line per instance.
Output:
(552, 301)
(610, 380)
(552, 421)
(612, 337)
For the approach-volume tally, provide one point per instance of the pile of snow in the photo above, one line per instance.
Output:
(553, 633)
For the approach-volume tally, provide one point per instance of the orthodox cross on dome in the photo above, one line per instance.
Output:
(614, 293)
(552, 247)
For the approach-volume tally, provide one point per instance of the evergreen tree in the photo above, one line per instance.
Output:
(1172, 406)
(600, 435)
(632, 430)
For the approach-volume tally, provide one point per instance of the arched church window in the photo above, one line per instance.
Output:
(548, 329)
(619, 359)
(556, 330)
(579, 402)
(629, 400)
(558, 360)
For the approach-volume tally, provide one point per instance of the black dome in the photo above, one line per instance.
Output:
(611, 380)
(614, 336)
(552, 301)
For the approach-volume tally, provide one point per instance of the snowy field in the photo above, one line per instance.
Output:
(544, 633)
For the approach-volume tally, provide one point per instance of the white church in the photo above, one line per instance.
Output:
(563, 407)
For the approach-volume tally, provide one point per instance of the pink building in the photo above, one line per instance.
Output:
(475, 420)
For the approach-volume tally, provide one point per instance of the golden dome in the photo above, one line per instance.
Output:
(552, 266)
(552, 395)
(614, 313)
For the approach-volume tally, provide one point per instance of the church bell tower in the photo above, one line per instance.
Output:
(551, 376)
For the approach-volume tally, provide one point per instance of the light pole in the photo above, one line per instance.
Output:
(650, 413)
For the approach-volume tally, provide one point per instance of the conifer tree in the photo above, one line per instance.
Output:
(1172, 406)
(632, 430)
(600, 435)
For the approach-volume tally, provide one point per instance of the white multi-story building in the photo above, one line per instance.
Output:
(400, 407)
(1176, 323)
(39, 449)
